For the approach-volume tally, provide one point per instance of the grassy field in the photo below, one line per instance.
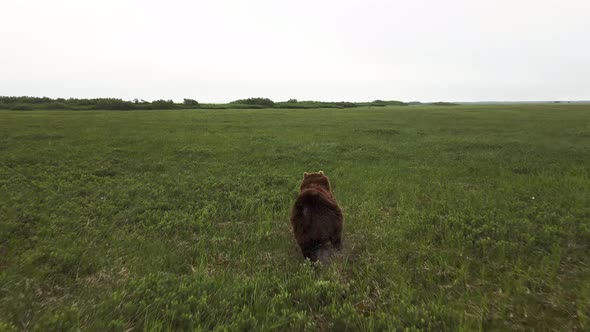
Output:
(456, 218)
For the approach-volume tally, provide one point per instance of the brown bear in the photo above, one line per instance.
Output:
(316, 217)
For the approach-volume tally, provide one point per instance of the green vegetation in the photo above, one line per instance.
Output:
(265, 102)
(442, 103)
(45, 103)
(470, 217)
(190, 102)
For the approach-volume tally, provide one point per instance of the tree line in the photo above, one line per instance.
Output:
(46, 103)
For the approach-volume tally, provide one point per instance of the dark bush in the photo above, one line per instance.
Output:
(396, 103)
(113, 104)
(24, 100)
(162, 104)
(190, 102)
(345, 104)
(378, 103)
(55, 106)
(255, 101)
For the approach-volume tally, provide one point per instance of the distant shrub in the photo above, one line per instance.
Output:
(245, 106)
(443, 103)
(315, 104)
(17, 107)
(396, 103)
(190, 102)
(163, 104)
(255, 101)
(292, 101)
(378, 103)
(24, 100)
(55, 106)
(345, 104)
(113, 104)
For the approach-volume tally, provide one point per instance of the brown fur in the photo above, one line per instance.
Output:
(316, 217)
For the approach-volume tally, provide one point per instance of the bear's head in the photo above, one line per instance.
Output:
(314, 180)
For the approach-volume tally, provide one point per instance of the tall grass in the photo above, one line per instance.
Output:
(470, 217)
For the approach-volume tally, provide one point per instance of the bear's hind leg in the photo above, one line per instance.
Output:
(336, 241)
(310, 250)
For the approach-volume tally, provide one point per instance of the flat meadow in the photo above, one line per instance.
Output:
(471, 217)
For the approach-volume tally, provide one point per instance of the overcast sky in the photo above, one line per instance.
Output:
(221, 50)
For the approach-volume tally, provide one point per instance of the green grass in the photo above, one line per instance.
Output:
(168, 220)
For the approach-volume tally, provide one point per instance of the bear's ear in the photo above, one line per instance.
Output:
(322, 173)
(305, 174)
